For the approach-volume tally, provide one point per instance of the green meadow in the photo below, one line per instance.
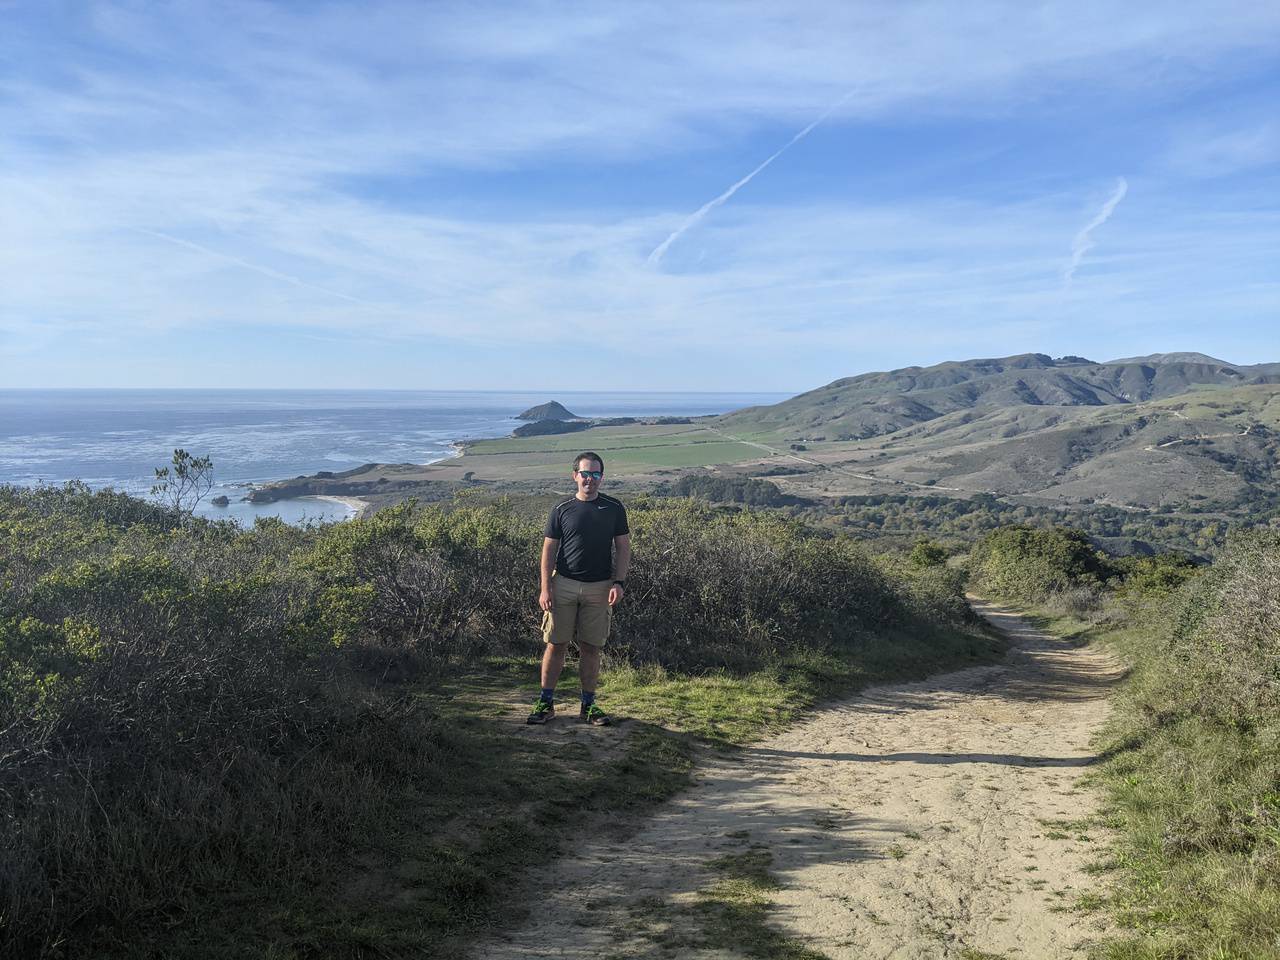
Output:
(636, 448)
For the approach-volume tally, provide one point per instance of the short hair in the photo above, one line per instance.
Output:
(588, 455)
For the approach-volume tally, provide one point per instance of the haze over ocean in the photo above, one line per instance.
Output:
(118, 437)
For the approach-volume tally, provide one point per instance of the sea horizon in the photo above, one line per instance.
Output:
(117, 436)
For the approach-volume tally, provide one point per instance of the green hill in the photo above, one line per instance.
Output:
(1146, 433)
(877, 403)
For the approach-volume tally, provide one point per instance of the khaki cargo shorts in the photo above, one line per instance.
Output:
(581, 612)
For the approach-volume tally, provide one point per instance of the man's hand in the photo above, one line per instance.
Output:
(546, 602)
(615, 595)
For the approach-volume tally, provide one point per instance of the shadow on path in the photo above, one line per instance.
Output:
(1009, 759)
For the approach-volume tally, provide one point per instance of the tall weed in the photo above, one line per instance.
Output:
(1194, 776)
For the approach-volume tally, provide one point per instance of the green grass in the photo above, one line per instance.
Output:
(625, 450)
(446, 860)
(1189, 799)
(726, 709)
(729, 915)
(684, 455)
(603, 440)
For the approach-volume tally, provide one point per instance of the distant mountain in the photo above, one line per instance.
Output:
(1170, 430)
(873, 404)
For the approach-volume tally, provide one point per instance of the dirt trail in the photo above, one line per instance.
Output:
(922, 820)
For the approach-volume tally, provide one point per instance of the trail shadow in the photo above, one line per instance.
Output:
(1043, 667)
(644, 880)
(1038, 667)
(1008, 759)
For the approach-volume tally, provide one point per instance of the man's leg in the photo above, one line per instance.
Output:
(558, 626)
(588, 666)
(553, 663)
(594, 619)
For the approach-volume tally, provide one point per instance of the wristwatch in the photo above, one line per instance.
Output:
(620, 583)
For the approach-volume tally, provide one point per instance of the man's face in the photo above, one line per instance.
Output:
(589, 484)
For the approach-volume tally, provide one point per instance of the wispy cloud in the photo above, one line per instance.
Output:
(1083, 241)
(660, 250)
(256, 268)
(465, 174)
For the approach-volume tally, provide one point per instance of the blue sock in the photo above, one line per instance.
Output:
(588, 698)
(549, 694)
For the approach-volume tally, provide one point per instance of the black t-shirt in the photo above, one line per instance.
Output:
(585, 529)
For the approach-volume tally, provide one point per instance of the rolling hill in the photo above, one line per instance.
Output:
(1167, 430)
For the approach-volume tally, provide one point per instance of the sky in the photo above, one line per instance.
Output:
(631, 196)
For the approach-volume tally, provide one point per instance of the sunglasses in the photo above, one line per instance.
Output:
(591, 474)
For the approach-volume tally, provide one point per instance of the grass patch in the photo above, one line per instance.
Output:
(728, 915)
(603, 439)
(1196, 802)
(723, 708)
(628, 448)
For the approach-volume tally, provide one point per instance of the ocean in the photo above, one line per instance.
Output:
(117, 438)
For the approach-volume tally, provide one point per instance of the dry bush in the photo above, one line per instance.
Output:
(1224, 647)
(711, 590)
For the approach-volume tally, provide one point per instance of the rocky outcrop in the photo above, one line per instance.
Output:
(547, 411)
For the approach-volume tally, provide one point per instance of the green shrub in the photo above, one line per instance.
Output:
(735, 590)
(1030, 565)
(1195, 776)
(749, 490)
(1155, 578)
(431, 583)
(928, 553)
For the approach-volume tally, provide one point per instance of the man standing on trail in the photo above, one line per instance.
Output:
(585, 555)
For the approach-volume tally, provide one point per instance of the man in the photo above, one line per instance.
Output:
(586, 551)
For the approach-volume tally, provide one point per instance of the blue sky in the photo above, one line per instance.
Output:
(470, 195)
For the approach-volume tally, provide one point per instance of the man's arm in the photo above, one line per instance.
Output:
(550, 547)
(621, 564)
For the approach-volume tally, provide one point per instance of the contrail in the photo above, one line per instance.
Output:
(265, 271)
(1082, 244)
(660, 250)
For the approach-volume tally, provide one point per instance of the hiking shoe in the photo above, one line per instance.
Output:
(542, 712)
(594, 716)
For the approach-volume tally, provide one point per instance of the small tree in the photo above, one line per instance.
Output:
(927, 553)
(184, 483)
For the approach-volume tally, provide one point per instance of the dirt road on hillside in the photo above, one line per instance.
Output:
(922, 820)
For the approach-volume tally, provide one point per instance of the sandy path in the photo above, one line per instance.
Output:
(905, 823)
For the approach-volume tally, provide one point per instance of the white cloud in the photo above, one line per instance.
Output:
(243, 130)
(483, 84)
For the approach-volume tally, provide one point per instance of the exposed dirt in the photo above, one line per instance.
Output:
(923, 820)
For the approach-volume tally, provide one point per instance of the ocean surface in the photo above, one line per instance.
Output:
(117, 438)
